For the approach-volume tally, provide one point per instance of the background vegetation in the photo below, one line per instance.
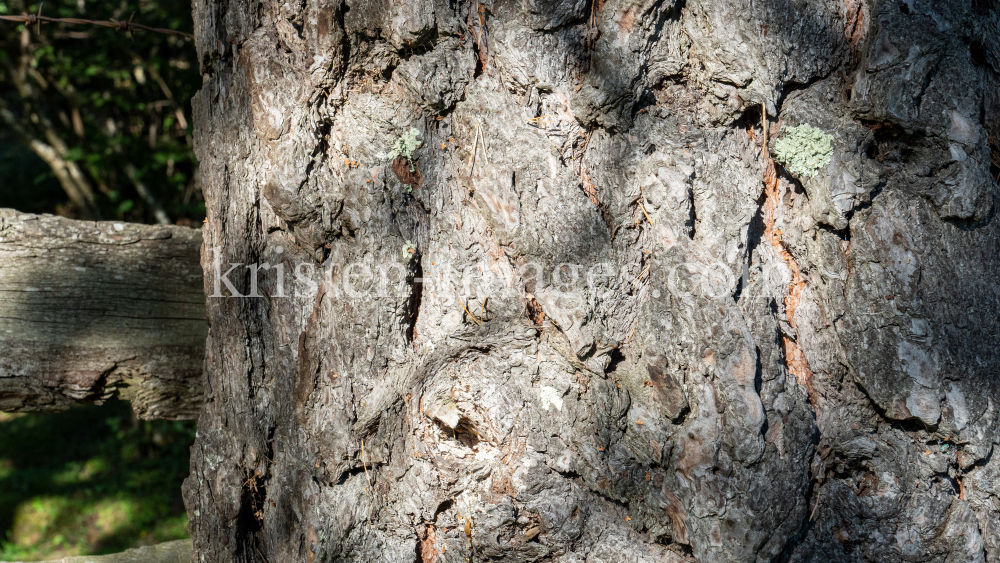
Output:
(95, 125)
(103, 116)
(90, 480)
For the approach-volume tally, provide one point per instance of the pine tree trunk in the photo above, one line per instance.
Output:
(592, 316)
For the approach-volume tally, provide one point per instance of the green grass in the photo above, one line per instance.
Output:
(88, 481)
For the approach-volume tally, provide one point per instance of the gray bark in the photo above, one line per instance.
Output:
(91, 310)
(765, 367)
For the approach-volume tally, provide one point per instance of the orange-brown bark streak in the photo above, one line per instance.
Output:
(794, 358)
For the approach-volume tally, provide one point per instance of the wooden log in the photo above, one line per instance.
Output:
(93, 310)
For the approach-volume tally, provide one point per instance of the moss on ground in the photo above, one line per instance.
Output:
(91, 480)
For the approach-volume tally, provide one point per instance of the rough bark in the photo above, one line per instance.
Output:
(91, 310)
(761, 367)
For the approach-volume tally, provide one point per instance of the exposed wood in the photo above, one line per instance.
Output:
(91, 310)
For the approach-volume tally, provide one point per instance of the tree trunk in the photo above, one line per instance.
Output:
(92, 310)
(598, 321)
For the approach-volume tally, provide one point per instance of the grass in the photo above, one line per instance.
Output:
(88, 481)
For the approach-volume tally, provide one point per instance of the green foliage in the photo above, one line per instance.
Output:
(804, 150)
(90, 480)
(405, 145)
(111, 99)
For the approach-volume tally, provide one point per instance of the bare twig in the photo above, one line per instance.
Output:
(365, 465)
(482, 138)
(472, 157)
(643, 208)
(474, 319)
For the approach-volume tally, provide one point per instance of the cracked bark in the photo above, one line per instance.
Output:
(489, 399)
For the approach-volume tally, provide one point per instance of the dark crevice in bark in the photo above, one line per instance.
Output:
(418, 556)
(616, 358)
(788, 88)
(465, 433)
(347, 474)
(479, 36)
(443, 507)
(345, 40)
(566, 474)
(977, 52)
(743, 281)
(908, 425)
(754, 233)
(895, 146)
(794, 183)
(865, 204)
(981, 462)
(678, 10)
(645, 102)
(843, 234)
(973, 224)
(758, 377)
(926, 83)
(681, 417)
(692, 221)
(249, 520)
(683, 549)
(419, 47)
(318, 153)
(416, 295)
(101, 385)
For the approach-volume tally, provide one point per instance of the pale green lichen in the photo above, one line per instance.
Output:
(804, 150)
(409, 249)
(551, 396)
(405, 145)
